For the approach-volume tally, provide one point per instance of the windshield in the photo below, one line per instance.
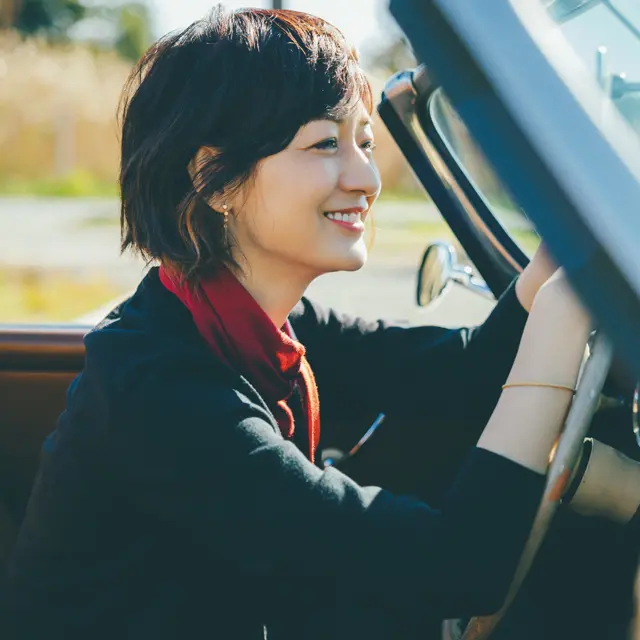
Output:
(606, 36)
(470, 158)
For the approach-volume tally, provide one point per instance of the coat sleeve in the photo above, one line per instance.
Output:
(423, 372)
(209, 463)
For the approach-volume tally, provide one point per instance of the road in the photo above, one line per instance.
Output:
(82, 235)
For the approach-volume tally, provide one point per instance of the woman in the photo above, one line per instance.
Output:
(181, 494)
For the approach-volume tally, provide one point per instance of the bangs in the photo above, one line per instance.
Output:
(330, 82)
(293, 68)
(355, 90)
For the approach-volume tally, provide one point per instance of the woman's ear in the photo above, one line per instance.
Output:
(197, 173)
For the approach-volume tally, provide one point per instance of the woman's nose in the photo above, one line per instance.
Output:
(360, 173)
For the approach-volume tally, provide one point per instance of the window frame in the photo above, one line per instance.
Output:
(404, 108)
(528, 127)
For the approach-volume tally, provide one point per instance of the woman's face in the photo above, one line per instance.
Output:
(305, 208)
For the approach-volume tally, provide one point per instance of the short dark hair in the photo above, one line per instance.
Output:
(241, 82)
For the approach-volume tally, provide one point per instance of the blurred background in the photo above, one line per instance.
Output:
(62, 66)
(63, 63)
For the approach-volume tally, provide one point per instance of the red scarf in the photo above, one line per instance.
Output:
(242, 335)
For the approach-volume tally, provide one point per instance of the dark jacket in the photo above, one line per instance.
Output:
(168, 505)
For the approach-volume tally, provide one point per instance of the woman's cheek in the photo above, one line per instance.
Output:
(311, 186)
(325, 175)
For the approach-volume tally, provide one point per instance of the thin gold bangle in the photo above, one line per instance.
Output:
(547, 385)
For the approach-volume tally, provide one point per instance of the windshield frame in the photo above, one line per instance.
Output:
(581, 208)
(486, 209)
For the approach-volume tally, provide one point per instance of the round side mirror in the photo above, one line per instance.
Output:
(435, 273)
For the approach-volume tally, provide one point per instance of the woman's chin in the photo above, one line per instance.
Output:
(353, 261)
(343, 258)
(355, 265)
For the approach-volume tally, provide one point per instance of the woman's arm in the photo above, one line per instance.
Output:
(209, 463)
(426, 373)
(551, 351)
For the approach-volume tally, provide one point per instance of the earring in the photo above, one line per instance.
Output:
(225, 213)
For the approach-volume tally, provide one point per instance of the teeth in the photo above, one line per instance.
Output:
(352, 218)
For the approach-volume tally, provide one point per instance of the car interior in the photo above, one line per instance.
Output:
(580, 579)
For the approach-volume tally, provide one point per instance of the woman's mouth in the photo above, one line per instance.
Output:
(347, 220)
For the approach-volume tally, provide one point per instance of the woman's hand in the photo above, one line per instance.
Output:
(556, 303)
(555, 335)
(536, 273)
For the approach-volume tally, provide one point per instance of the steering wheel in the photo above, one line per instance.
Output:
(593, 374)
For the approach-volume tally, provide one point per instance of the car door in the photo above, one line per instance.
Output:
(37, 363)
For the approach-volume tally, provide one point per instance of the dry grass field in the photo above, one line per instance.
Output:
(57, 113)
(58, 129)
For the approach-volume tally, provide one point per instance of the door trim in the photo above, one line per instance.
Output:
(42, 347)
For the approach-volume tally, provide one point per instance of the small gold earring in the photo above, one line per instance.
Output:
(225, 224)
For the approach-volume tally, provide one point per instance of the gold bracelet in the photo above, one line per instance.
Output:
(547, 385)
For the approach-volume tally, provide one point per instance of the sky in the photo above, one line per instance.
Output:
(362, 21)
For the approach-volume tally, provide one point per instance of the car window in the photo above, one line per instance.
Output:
(606, 36)
(466, 152)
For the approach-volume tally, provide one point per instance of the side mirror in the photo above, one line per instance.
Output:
(440, 269)
(435, 273)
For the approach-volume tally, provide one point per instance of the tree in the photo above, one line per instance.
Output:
(134, 32)
(53, 17)
(127, 22)
(8, 12)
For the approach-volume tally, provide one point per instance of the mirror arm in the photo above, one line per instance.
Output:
(620, 87)
(464, 276)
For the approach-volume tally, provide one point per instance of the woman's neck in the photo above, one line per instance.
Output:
(276, 288)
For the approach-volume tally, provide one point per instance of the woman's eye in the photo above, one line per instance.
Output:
(369, 145)
(328, 144)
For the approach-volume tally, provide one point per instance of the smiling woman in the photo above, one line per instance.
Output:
(184, 491)
(312, 122)
(301, 232)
